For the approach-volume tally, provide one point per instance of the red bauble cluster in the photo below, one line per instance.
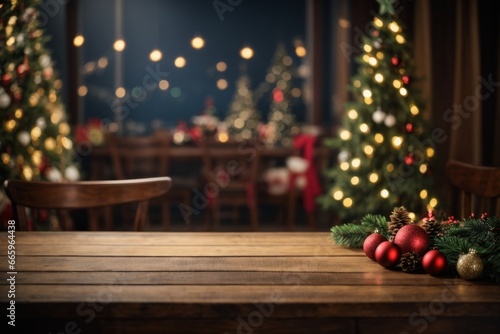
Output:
(405, 79)
(395, 61)
(409, 127)
(409, 159)
(371, 243)
(388, 254)
(434, 262)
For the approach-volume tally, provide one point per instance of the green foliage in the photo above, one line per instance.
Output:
(243, 118)
(353, 235)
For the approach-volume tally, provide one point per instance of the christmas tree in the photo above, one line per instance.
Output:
(34, 140)
(384, 145)
(243, 117)
(281, 122)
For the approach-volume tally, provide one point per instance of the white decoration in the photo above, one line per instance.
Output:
(297, 165)
(41, 123)
(343, 156)
(53, 175)
(390, 120)
(377, 44)
(44, 60)
(378, 116)
(24, 138)
(4, 99)
(277, 180)
(72, 174)
(20, 39)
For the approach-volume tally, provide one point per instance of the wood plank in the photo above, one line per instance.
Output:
(227, 278)
(484, 296)
(196, 264)
(211, 250)
(172, 238)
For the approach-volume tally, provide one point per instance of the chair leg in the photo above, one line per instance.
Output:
(140, 216)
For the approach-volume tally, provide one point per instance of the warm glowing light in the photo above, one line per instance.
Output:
(423, 194)
(423, 168)
(378, 22)
(352, 114)
(163, 84)
(380, 55)
(18, 113)
(390, 168)
(356, 162)
(338, 195)
(367, 93)
(430, 152)
(366, 58)
(36, 132)
(368, 100)
(197, 42)
(355, 180)
(363, 127)
(344, 166)
(287, 61)
(379, 138)
(223, 137)
(379, 77)
(394, 26)
(414, 110)
(373, 61)
(412, 215)
(246, 53)
(155, 55)
(78, 41)
(433, 202)
(400, 39)
(403, 91)
(397, 141)
(296, 92)
(221, 66)
(119, 45)
(180, 62)
(82, 90)
(300, 51)
(367, 48)
(368, 149)
(345, 135)
(222, 84)
(373, 177)
(347, 202)
(357, 83)
(397, 84)
(120, 92)
(384, 193)
(102, 62)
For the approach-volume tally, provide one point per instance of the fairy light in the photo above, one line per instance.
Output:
(400, 39)
(373, 177)
(366, 58)
(345, 135)
(363, 127)
(355, 180)
(412, 215)
(423, 168)
(344, 166)
(430, 152)
(197, 42)
(414, 110)
(379, 78)
(368, 149)
(397, 84)
(368, 100)
(423, 194)
(403, 91)
(378, 22)
(390, 168)
(380, 55)
(367, 48)
(379, 138)
(352, 114)
(373, 61)
(433, 202)
(338, 195)
(180, 62)
(384, 193)
(355, 163)
(119, 45)
(357, 83)
(394, 27)
(246, 53)
(155, 55)
(367, 93)
(397, 141)
(347, 202)
(78, 40)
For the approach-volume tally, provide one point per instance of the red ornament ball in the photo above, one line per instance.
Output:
(412, 238)
(395, 61)
(375, 33)
(434, 262)
(6, 79)
(409, 127)
(409, 160)
(388, 254)
(371, 243)
(405, 79)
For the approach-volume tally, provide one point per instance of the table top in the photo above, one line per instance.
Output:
(218, 278)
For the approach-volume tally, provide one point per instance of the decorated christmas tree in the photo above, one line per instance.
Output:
(385, 146)
(281, 122)
(34, 136)
(243, 117)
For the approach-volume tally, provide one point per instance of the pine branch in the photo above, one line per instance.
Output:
(349, 235)
(376, 222)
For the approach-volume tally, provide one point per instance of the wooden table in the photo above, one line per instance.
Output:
(130, 282)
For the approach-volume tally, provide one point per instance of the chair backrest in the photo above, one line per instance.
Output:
(84, 194)
(479, 187)
(239, 161)
(138, 157)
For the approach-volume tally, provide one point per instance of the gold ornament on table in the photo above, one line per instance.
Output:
(470, 266)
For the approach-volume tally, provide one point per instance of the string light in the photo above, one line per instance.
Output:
(423, 194)
(163, 84)
(367, 93)
(423, 168)
(155, 55)
(397, 84)
(430, 152)
(221, 66)
(120, 92)
(394, 27)
(403, 91)
(373, 177)
(412, 215)
(379, 78)
(197, 42)
(379, 138)
(344, 166)
(82, 91)
(338, 195)
(222, 84)
(367, 48)
(384, 193)
(355, 163)
(368, 149)
(78, 40)
(355, 180)
(397, 141)
(246, 53)
(352, 114)
(180, 62)
(400, 39)
(223, 137)
(433, 202)
(363, 127)
(119, 45)
(414, 110)
(347, 202)
(372, 61)
(378, 22)
(345, 135)
(380, 55)
(357, 83)
(368, 100)
(390, 168)
(300, 51)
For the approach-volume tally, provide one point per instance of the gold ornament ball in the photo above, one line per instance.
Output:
(470, 266)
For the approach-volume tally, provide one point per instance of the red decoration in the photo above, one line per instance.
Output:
(278, 95)
(406, 79)
(23, 68)
(395, 61)
(6, 79)
(388, 254)
(434, 262)
(409, 128)
(371, 243)
(375, 33)
(412, 238)
(409, 160)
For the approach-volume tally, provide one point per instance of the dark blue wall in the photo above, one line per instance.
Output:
(170, 25)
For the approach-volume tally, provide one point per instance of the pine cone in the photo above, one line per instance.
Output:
(411, 262)
(399, 218)
(433, 227)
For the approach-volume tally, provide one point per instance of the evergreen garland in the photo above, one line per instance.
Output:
(456, 238)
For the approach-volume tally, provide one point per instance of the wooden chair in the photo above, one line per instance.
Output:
(146, 156)
(230, 173)
(84, 194)
(479, 187)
